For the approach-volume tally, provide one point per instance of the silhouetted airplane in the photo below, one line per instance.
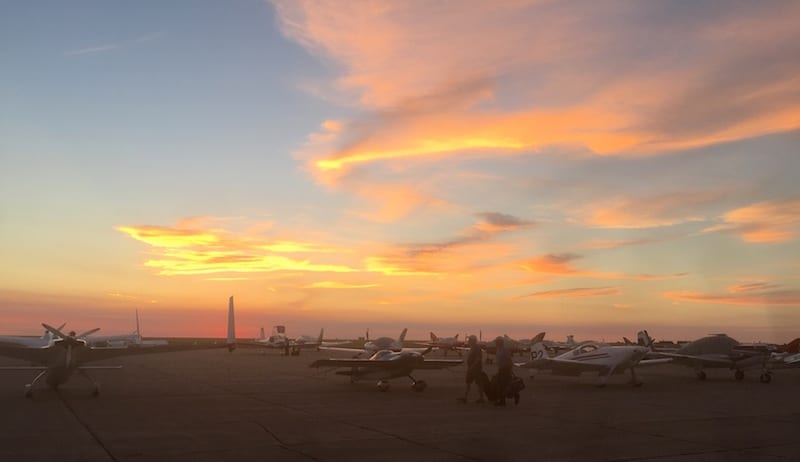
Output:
(387, 364)
(67, 354)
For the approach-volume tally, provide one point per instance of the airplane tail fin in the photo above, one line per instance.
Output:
(456, 337)
(537, 339)
(570, 340)
(367, 336)
(402, 337)
(434, 337)
(261, 334)
(644, 338)
(627, 341)
(231, 326)
(321, 333)
(538, 350)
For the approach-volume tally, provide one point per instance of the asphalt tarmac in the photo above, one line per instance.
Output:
(214, 405)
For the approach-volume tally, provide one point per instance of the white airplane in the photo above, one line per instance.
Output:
(720, 351)
(371, 347)
(446, 343)
(594, 357)
(133, 339)
(67, 354)
(292, 346)
(30, 341)
(385, 365)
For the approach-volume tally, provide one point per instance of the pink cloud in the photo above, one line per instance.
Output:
(435, 81)
(764, 222)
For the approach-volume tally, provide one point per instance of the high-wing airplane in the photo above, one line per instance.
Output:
(719, 351)
(594, 357)
(371, 347)
(68, 354)
(446, 343)
(385, 365)
(290, 345)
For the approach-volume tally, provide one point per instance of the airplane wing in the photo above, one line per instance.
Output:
(99, 354)
(697, 360)
(37, 355)
(373, 364)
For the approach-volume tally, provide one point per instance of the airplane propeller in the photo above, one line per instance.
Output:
(67, 340)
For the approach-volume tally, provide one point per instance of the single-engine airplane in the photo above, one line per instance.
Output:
(385, 365)
(594, 357)
(67, 354)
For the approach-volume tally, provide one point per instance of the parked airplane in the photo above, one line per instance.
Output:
(371, 347)
(446, 343)
(385, 365)
(289, 345)
(67, 354)
(133, 339)
(594, 357)
(30, 341)
(719, 351)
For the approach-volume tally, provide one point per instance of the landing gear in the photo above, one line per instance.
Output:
(419, 385)
(29, 387)
(635, 380)
(701, 375)
(95, 386)
(383, 385)
(766, 377)
(738, 375)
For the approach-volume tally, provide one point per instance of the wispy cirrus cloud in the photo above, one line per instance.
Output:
(578, 292)
(338, 285)
(647, 212)
(106, 47)
(562, 265)
(765, 222)
(763, 295)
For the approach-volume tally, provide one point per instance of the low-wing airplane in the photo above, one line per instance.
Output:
(30, 341)
(67, 354)
(289, 345)
(371, 347)
(385, 365)
(133, 339)
(594, 357)
(719, 351)
(446, 343)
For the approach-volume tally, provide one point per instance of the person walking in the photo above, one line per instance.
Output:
(474, 370)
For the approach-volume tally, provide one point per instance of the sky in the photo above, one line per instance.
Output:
(511, 167)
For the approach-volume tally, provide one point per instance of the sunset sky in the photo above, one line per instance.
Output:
(587, 168)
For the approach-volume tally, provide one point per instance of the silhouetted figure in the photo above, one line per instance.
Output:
(474, 369)
(504, 365)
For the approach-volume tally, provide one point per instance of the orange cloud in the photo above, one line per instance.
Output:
(573, 293)
(764, 222)
(195, 251)
(647, 212)
(427, 95)
(338, 285)
(757, 298)
(561, 264)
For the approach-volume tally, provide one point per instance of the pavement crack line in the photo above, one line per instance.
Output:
(85, 426)
(360, 427)
(280, 441)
